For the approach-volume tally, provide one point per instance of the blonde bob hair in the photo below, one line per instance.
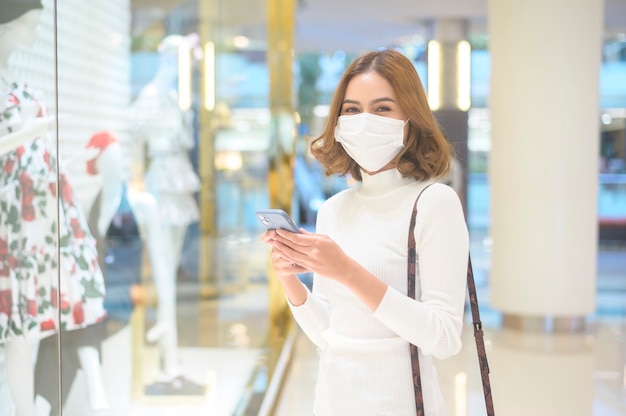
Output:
(426, 154)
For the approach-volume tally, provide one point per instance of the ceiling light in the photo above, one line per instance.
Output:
(241, 41)
(434, 74)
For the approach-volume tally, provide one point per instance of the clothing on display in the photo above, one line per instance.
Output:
(31, 280)
(167, 133)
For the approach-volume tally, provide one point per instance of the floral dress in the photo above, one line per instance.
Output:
(43, 286)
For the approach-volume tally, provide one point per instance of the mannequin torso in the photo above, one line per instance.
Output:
(168, 134)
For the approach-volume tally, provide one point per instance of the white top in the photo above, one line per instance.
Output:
(365, 365)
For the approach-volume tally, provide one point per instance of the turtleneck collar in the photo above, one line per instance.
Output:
(382, 183)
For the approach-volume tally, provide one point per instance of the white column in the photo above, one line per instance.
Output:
(448, 33)
(543, 166)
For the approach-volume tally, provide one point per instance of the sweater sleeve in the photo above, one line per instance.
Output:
(313, 316)
(434, 321)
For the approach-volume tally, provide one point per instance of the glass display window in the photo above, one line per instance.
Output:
(135, 141)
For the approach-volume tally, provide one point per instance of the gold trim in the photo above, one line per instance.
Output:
(207, 10)
(280, 59)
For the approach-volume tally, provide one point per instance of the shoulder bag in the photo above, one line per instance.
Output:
(477, 324)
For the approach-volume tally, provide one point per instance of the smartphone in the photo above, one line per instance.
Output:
(273, 219)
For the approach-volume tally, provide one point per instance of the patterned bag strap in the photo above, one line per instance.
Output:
(477, 324)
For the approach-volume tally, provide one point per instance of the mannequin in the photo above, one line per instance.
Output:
(18, 350)
(167, 133)
(29, 270)
(113, 208)
(114, 198)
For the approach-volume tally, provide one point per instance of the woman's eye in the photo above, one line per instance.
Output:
(382, 109)
(350, 110)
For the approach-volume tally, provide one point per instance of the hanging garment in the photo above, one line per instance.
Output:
(32, 271)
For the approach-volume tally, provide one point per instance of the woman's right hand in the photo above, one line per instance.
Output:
(283, 267)
(286, 271)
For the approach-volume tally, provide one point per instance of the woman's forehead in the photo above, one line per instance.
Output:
(370, 86)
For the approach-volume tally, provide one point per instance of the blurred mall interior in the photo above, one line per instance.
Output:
(139, 137)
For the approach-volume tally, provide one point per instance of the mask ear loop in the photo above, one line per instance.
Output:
(405, 137)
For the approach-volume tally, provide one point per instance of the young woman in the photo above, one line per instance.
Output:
(381, 131)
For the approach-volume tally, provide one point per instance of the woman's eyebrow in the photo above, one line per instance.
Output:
(378, 100)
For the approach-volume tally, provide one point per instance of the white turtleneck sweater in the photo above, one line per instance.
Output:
(365, 364)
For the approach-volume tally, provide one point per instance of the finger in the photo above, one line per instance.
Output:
(267, 236)
(298, 268)
(291, 255)
(282, 249)
(285, 265)
(280, 261)
(286, 234)
(293, 239)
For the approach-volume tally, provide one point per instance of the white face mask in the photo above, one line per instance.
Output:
(372, 141)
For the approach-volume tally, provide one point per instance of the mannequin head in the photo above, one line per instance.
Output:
(169, 49)
(18, 24)
(109, 162)
(12, 9)
(167, 72)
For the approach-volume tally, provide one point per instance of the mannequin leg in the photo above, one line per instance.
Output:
(89, 358)
(166, 328)
(168, 348)
(20, 374)
(43, 407)
(178, 233)
(47, 372)
(172, 381)
(6, 402)
(168, 344)
(165, 284)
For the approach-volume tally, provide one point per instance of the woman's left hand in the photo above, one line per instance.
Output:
(321, 255)
(315, 252)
